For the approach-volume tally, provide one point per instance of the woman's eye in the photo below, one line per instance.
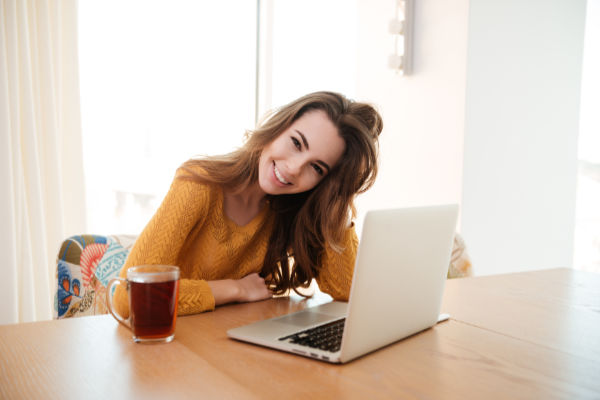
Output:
(318, 169)
(296, 142)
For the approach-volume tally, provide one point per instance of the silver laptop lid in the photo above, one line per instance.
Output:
(399, 278)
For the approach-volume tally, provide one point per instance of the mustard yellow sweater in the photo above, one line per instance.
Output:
(190, 230)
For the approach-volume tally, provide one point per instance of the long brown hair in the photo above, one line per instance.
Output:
(305, 222)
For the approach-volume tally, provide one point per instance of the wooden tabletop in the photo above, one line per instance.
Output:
(532, 335)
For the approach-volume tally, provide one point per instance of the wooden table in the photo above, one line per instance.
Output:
(532, 335)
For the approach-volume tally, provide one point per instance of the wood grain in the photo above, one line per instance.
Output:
(76, 358)
(515, 336)
(557, 308)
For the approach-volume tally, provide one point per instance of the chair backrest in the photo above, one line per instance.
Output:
(460, 262)
(84, 266)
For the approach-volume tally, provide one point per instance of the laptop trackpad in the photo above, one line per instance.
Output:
(305, 318)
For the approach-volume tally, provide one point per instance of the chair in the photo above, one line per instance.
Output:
(460, 262)
(86, 263)
(84, 266)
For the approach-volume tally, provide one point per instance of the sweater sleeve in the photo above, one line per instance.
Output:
(335, 277)
(185, 205)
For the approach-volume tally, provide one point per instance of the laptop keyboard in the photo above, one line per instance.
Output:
(326, 337)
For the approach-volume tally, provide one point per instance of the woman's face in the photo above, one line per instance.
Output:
(299, 158)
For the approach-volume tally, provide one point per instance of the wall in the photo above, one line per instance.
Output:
(495, 87)
(522, 111)
(421, 145)
(587, 209)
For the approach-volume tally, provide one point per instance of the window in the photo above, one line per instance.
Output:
(314, 48)
(160, 83)
(163, 81)
(587, 212)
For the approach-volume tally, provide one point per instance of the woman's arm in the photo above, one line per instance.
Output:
(185, 205)
(335, 276)
(250, 288)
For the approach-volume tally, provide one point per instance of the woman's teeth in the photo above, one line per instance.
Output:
(279, 177)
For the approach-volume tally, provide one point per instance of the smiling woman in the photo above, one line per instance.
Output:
(232, 222)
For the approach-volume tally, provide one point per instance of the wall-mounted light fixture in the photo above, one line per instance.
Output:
(401, 27)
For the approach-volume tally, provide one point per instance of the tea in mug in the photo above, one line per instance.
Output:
(153, 308)
(153, 293)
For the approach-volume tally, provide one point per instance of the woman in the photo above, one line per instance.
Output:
(270, 216)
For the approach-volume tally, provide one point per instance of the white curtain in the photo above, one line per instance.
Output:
(40, 151)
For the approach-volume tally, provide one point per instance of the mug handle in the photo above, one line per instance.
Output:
(109, 301)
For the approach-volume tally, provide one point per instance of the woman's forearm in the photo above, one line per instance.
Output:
(250, 288)
(224, 291)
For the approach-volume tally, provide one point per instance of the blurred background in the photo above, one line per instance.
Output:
(101, 101)
(498, 116)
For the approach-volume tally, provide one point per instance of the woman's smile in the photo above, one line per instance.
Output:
(301, 156)
(278, 175)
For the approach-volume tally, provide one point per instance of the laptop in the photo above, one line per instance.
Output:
(397, 287)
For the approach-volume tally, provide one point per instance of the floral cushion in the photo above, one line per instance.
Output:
(84, 266)
(460, 262)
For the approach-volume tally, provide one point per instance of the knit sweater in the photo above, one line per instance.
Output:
(191, 230)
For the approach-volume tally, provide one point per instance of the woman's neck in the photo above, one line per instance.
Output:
(249, 195)
(242, 205)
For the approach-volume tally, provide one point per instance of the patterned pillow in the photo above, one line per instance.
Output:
(460, 262)
(84, 266)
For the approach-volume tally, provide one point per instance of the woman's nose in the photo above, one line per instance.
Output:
(295, 166)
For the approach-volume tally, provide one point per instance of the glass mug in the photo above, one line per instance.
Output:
(153, 294)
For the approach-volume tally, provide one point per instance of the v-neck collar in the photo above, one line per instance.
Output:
(250, 226)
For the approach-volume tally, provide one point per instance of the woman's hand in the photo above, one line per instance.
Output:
(253, 288)
(250, 288)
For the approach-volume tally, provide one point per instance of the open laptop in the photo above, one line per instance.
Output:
(397, 289)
